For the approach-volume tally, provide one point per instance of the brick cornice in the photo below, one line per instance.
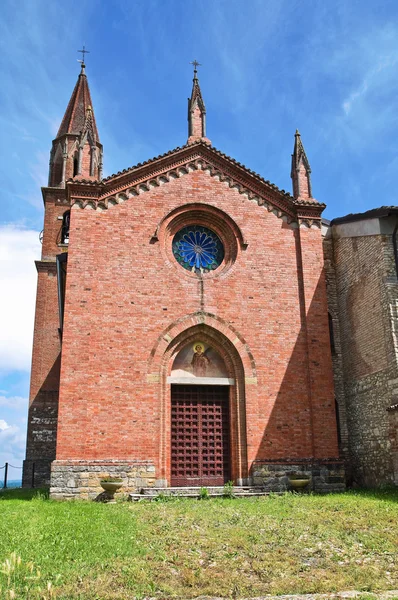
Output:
(181, 161)
(46, 266)
(84, 192)
(54, 194)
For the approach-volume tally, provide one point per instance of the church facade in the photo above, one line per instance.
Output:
(183, 327)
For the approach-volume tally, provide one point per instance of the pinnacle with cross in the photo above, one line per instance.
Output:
(195, 64)
(84, 51)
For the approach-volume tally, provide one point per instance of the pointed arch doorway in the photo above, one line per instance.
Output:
(200, 448)
(200, 435)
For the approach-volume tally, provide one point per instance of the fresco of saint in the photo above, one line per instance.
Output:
(199, 361)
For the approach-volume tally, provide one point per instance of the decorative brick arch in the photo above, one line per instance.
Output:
(210, 215)
(240, 366)
(205, 215)
(165, 343)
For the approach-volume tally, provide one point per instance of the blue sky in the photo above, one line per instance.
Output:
(328, 68)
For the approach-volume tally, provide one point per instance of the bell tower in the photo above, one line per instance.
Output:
(76, 152)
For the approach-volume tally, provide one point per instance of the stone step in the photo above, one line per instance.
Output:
(142, 498)
(194, 492)
(170, 491)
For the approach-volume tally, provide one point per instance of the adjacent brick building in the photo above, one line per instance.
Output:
(361, 270)
(182, 332)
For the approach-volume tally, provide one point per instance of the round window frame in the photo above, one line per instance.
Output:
(207, 216)
(209, 234)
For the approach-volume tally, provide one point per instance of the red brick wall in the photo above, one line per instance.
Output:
(44, 384)
(303, 182)
(322, 404)
(124, 290)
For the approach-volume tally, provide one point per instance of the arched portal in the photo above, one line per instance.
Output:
(200, 449)
(203, 396)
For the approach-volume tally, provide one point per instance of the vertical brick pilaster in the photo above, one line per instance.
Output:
(319, 356)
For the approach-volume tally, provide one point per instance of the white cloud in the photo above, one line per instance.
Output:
(18, 250)
(347, 104)
(12, 449)
(373, 79)
(14, 402)
(13, 420)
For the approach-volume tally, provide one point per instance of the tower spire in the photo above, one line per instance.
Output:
(301, 170)
(77, 150)
(196, 110)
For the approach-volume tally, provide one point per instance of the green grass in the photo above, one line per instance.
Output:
(186, 548)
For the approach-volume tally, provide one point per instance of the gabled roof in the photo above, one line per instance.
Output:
(207, 148)
(80, 105)
(179, 162)
(374, 213)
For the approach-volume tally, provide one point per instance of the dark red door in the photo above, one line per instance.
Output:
(199, 435)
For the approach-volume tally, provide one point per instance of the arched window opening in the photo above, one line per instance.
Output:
(75, 165)
(331, 334)
(57, 172)
(65, 227)
(61, 277)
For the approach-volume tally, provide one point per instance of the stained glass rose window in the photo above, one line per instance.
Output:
(198, 249)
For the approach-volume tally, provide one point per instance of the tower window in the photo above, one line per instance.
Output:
(65, 227)
(75, 165)
(61, 276)
(57, 172)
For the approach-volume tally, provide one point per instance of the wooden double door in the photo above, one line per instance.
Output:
(200, 441)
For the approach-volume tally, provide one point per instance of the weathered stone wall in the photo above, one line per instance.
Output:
(81, 479)
(335, 339)
(367, 294)
(370, 448)
(324, 476)
(36, 473)
(42, 436)
(393, 430)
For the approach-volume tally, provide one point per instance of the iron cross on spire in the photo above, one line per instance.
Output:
(84, 51)
(195, 65)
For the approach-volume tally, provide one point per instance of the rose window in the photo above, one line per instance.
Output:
(198, 249)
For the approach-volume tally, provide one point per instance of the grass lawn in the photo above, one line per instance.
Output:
(186, 548)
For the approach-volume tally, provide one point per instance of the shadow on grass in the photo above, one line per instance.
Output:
(24, 493)
(383, 493)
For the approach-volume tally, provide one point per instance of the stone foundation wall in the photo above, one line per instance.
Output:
(325, 476)
(81, 479)
(36, 473)
(370, 447)
(393, 429)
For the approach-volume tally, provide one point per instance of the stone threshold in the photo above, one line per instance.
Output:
(195, 492)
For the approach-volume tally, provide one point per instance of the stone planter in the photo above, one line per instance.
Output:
(110, 488)
(298, 484)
